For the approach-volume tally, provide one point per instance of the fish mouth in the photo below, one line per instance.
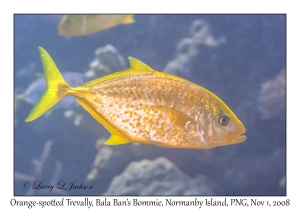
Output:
(240, 138)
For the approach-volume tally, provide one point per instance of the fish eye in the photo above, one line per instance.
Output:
(223, 120)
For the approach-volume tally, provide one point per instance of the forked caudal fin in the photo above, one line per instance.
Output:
(57, 87)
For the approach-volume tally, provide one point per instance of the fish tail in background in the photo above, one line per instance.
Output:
(128, 19)
(18, 98)
(57, 88)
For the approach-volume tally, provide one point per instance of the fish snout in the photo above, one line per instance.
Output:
(234, 131)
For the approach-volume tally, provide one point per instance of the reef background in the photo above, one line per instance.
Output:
(253, 54)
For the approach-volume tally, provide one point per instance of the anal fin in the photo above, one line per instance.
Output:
(115, 140)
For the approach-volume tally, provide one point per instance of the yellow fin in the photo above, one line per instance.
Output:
(128, 19)
(174, 116)
(115, 140)
(56, 87)
(137, 65)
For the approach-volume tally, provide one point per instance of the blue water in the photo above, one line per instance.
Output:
(254, 52)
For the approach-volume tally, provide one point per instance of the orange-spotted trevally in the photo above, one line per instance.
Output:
(147, 106)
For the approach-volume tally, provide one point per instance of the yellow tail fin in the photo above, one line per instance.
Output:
(57, 87)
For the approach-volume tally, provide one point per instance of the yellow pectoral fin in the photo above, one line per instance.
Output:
(164, 125)
(115, 140)
(172, 116)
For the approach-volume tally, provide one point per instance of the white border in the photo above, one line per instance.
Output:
(153, 6)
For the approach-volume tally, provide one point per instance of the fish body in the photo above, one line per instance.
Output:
(80, 25)
(147, 106)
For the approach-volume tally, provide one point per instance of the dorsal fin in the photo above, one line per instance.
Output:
(137, 65)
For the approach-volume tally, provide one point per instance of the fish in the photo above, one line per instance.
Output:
(143, 105)
(80, 25)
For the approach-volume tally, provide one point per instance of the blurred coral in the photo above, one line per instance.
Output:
(37, 172)
(187, 47)
(272, 97)
(107, 60)
(158, 177)
(104, 155)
